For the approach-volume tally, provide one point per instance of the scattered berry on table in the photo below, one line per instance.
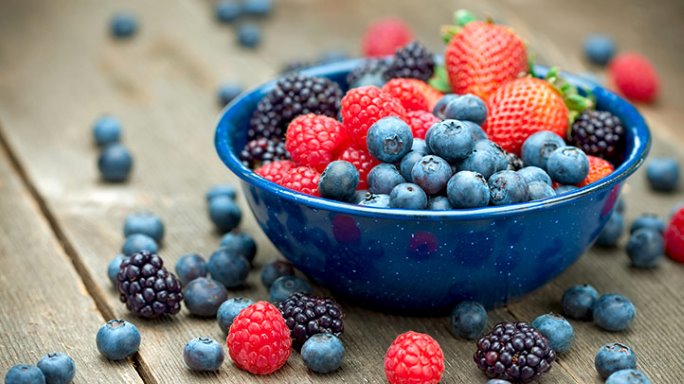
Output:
(106, 130)
(376, 200)
(227, 92)
(385, 36)
(259, 340)
(538, 190)
(612, 231)
(648, 220)
(224, 213)
(558, 331)
(362, 107)
(450, 140)
(371, 72)
(674, 237)
(408, 196)
(227, 11)
(113, 268)
(138, 242)
(598, 169)
(662, 174)
(249, 35)
(115, 163)
(323, 353)
(262, 151)
(118, 339)
(383, 178)
(634, 76)
(203, 354)
(202, 296)
(240, 243)
(286, 286)
(144, 222)
(24, 374)
(362, 161)
(515, 352)
(123, 25)
(578, 301)
(147, 288)
(487, 158)
(189, 267)
(302, 179)
(275, 171)
(414, 358)
(645, 248)
(58, 368)
(568, 165)
(600, 134)
(599, 49)
(339, 181)
(468, 320)
(614, 357)
(407, 163)
(614, 312)
(507, 187)
(439, 203)
(307, 315)
(412, 61)
(314, 140)
(467, 107)
(538, 147)
(229, 309)
(274, 270)
(467, 189)
(498, 381)
(628, 376)
(257, 7)
(532, 173)
(431, 173)
(228, 268)
(420, 122)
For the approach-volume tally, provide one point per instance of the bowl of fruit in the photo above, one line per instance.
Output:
(391, 192)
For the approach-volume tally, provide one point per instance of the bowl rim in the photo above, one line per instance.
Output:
(222, 141)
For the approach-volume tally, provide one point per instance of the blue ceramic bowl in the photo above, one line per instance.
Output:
(425, 261)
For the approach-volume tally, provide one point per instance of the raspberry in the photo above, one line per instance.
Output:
(634, 77)
(302, 179)
(411, 98)
(363, 106)
(411, 61)
(598, 169)
(385, 36)
(314, 140)
(674, 237)
(420, 122)
(414, 358)
(259, 340)
(275, 171)
(363, 162)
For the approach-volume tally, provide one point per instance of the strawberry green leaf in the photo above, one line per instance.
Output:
(440, 79)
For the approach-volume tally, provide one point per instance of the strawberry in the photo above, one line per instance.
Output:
(384, 37)
(598, 169)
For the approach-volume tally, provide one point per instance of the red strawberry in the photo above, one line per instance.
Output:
(385, 36)
(363, 106)
(482, 57)
(275, 171)
(314, 140)
(363, 162)
(420, 122)
(598, 169)
(674, 237)
(302, 179)
(634, 77)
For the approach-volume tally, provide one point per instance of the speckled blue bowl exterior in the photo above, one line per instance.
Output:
(421, 261)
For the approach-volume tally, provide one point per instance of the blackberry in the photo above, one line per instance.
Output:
(371, 72)
(307, 315)
(147, 288)
(412, 61)
(600, 134)
(515, 352)
(514, 162)
(263, 151)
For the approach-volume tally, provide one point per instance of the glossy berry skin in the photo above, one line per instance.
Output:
(24, 374)
(389, 139)
(450, 140)
(674, 237)
(412, 61)
(612, 231)
(420, 122)
(362, 161)
(203, 296)
(339, 181)
(106, 130)
(58, 368)
(614, 357)
(598, 169)
(302, 179)
(557, 331)
(229, 309)
(249, 35)
(439, 203)
(635, 77)
(614, 312)
(203, 354)
(599, 49)
(466, 108)
(468, 320)
(323, 353)
(227, 11)
(314, 140)
(431, 173)
(476, 131)
(600, 134)
(440, 107)
(662, 174)
(376, 200)
(364, 106)
(272, 271)
(144, 222)
(645, 248)
(115, 163)
(228, 268)
(190, 267)
(275, 171)
(118, 339)
(139, 242)
(384, 37)
(307, 315)
(486, 159)
(414, 358)
(240, 243)
(467, 189)
(224, 213)
(263, 150)
(628, 376)
(498, 381)
(507, 187)
(648, 220)
(532, 174)
(407, 163)
(538, 147)
(578, 302)
(538, 190)
(383, 178)
(113, 268)
(284, 286)
(408, 196)
(257, 7)
(123, 25)
(228, 92)
(568, 165)
(259, 340)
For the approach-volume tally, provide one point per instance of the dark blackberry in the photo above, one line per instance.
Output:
(307, 315)
(600, 134)
(147, 288)
(413, 61)
(371, 72)
(515, 352)
(293, 95)
(262, 151)
(514, 162)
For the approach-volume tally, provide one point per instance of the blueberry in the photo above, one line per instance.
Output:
(224, 213)
(408, 196)
(612, 231)
(123, 25)
(439, 203)
(274, 270)
(227, 11)
(487, 158)
(628, 376)
(498, 381)
(240, 243)
(431, 173)
(568, 165)
(189, 267)
(614, 357)
(578, 301)
(383, 178)
(476, 131)
(230, 269)
(106, 130)
(507, 187)
(599, 49)
(221, 190)
(339, 181)
(407, 163)
(565, 189)
(614, 312)
(24, 374)
(533, 173)
(468, 320)
(249, 35)
(332, 56)
(538, 147)
(648, 220)
(57, 368)
(257, 7)
(450, 139)
(146, 223)
(323, 353)
(115, 163)
(420, 146)
(376, 200)
(538, 190)
(113, 269)
(468, 189)
(118, 339)
(138, 242)
(389, 139)
(645, 248)
(203, 296)
(440, 108)
(227, 92)
(203, 354)
(229, 309)
(662, 174)
(285, 286)
(557, 331)
(466, 108)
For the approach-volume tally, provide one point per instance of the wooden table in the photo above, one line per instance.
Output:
(60, 226)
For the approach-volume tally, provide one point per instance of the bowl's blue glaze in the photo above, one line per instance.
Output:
(412, 261)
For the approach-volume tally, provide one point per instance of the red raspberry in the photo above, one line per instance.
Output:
(385, 36)
(634, 77)
(420, 122)
(274, 171)
(598, 169)
(259, 340)
(302, 179)
(414, 358)
(410, 96)
(363, 106)
(363, 162)
(674, 237)
(314, 140)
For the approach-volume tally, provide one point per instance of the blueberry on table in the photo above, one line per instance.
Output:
(628, 376)
(662, 174)
(203, 354)
(468, 320)
(240, 243)
(138, 242)
(648, 220)
(113, 268)
(24, 374)
(451, 140)
(204, 296)
(614, 357)
(612, 231)
(58, 368)
(538, 147)
(645, 248)
(285, 286)
(408, 196)
(230, 269)
(189, 267)
(249, 35)
(323, 353)
(227, 11)
(224, 213)
(115, 163)
(557, 331)
(221, 190)
(227, 92)
(257, 7)
(568, 165)
(229, 309)
(599, 49)
(578, 302)
(614, 312)
(467, 189)
(106, 130)
(123, 25)
(466, 108)
(389, 139)
(146, 223)
(118, 339)
(274, 270)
